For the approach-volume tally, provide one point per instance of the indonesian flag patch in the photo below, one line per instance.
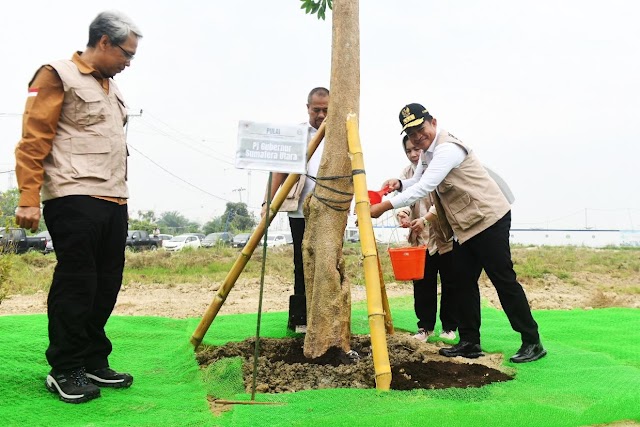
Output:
(33, 91)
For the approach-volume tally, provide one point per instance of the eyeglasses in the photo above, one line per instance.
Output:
(127, 55)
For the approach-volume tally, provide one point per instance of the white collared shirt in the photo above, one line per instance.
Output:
(312, 170)
(437, 162)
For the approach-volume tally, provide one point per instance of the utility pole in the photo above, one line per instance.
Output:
(126, 127)
(249, 185)
(586, 222)
(239, 190)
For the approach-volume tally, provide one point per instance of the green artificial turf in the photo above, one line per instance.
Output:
(591, 376)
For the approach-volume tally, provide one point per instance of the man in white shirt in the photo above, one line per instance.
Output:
(317, 108)
(474, 210)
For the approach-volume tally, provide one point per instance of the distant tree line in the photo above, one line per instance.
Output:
(236, 218)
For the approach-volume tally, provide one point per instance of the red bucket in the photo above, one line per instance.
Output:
(408, 262)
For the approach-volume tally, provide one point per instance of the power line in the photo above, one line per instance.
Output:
(176, 176)
(183, 136)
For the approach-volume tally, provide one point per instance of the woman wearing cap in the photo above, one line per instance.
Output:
(439, 258)
(472, 209)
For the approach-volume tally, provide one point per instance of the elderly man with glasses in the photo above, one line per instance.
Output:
(474, 211)
(73, 158)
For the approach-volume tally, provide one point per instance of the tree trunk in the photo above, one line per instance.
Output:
(326, 211)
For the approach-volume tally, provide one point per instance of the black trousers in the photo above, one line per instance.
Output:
(425, 293)
(490, 250)
(297, 301)
(89, 236)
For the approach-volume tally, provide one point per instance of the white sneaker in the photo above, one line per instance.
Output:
(423, 335)
(448, 335)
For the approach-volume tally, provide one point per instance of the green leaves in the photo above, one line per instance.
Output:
(312, 7)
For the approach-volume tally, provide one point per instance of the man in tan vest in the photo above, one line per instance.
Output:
(73, 158)
(471, 208)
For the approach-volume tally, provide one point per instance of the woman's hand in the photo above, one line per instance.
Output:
(417, 225)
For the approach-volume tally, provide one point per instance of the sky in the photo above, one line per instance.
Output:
(547, 93)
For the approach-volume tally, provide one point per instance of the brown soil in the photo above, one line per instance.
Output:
(282, 366)
(191, 300)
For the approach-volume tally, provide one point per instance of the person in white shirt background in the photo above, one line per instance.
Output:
(317, 108)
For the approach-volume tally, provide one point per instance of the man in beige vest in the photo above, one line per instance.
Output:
(473, 210)
(73, 158)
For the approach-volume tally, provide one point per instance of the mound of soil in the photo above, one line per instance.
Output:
(282, 366)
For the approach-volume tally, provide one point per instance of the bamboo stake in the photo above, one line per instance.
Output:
(371, 261)
(245, 402)
(242, 260)
(388, 321)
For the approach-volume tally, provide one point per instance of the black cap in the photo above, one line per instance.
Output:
(413, 115)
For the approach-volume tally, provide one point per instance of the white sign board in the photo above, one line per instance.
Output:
(272, 147)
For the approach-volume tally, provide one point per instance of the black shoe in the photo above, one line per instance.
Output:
(464, 349)
(529, 353)
(72, 386)
(297, 312)
(107, 377)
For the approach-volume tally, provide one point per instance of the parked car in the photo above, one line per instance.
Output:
(15, 240)
(354, 237)
(163, 238)
(275, 240)
(140, 239)
(178, 243)
(288, 237)
(240, 240)
(49, 246)
(217, 239)
(198, 235)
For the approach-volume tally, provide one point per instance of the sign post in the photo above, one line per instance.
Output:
(274, 148)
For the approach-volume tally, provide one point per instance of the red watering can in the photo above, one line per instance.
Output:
(375, 197)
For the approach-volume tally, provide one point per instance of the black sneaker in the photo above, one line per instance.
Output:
(72, 386)
(107, 377)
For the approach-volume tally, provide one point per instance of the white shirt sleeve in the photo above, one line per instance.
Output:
(408, 182)
(445, 158)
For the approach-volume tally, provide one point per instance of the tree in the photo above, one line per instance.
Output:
(8, 204)
(176, 223)
(327, 290)
(236, 218)
(318, 7)
(148, 216)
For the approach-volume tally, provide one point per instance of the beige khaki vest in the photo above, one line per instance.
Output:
(89, 152)
(439, 238)
(470, 199)
(418, 209)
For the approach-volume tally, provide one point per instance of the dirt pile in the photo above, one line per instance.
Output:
(282, 366)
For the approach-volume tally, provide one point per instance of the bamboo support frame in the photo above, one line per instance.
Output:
(242, 260)
(372, 276)
(388, 321)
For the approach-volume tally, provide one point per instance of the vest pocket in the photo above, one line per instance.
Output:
(465, 211)
(90, 158)
(91, 109)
